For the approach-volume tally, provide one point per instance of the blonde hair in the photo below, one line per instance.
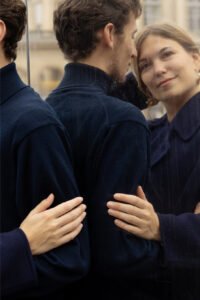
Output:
(167, 31)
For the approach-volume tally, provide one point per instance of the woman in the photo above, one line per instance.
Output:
(168, 70)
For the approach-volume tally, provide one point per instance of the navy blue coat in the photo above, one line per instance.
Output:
(110, 144)
(16, 258)
(35, 160)
(174, 189)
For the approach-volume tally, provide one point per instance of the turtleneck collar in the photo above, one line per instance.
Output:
(10, 82)
(82, 74)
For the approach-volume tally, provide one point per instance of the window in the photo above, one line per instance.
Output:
(46, 60)
(194, 15)
(151, 11)
(38, 11)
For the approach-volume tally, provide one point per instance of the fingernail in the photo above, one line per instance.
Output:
(51, 195)
(80, 198)
(117, 195)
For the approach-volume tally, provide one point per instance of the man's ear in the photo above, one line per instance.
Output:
(108, 35)
(2, 30)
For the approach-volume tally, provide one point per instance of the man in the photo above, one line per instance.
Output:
(110, 139)
(35, 160)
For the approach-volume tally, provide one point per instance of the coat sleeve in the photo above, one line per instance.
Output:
(15, 253)
(180, 236)
(121, 165)
(44, 167)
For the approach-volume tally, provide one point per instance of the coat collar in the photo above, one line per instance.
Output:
(185, 125)
(187, 120)
(82, 74)
(10, 82)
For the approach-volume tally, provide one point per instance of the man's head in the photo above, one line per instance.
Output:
(12, 26)
(81, 26)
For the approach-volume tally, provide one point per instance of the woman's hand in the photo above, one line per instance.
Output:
(135, 214)
(197, 208)
(46, 228)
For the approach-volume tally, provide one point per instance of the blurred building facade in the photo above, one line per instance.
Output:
(47, 61)
(184, 13)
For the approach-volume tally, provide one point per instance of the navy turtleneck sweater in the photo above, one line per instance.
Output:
(110, 144)
(35, 162)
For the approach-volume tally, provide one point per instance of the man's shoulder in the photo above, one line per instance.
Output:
(95, 104)
(26, 112)
(29, 104)
(29, 99)
(121, 110)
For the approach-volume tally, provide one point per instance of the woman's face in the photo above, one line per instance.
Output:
(168, 71)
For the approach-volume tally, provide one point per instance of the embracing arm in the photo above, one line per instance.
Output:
(46, 229)
(180, 238)
(42, 230)
(136, 215)
(178, 234)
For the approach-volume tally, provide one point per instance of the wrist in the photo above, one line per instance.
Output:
(157, 229)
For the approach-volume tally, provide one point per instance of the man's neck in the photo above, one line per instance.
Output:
(3, 61)
(97, 60)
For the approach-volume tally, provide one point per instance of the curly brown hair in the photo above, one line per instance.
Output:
(13, 14)
(76, 23)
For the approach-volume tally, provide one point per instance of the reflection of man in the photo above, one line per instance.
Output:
(34, 162)
(109, 136)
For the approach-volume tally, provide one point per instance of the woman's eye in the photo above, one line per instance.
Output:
(144, 66)
(166, 54)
